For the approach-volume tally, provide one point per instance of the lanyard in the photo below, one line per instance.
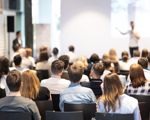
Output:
(55, 76)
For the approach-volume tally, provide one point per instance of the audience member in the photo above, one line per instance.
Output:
(84, 77)
(18, 61)
(135, 58)
(114, 59)
(55, 84)
(31, 87)
(139, 84)
(44, 49)
(4, 69)
(25, 62)
(43, 64)
(149, 61)
(125, 64)
(107, 66)
(54, 57)
(76, 94)
(29, 55)
(14, 101)
(95, 82)
(94, 58)
(16, 51)
(71, 54)
(65, 59)
(114, 101)
(145, 53)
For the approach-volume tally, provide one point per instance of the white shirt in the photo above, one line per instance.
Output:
(3, 84)
(125, 65)
(26, 63)
(133, 40)
(104, 74)
(146, 73)
(21, 70)
(52, 59)
(72, 56)
(84, 78)
(134, 60)
(55, 85)
(128, 105)
(32, 60)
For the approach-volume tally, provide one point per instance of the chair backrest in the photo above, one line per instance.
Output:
(39, 75)
(2, 93)
(124, 73)
(55, 99)
(43, 106)
(116, 66)
(64, 115)
(15, 116)
(103, 116)
(144, 111)
(95, 86)
(88, 109)
(45, 74)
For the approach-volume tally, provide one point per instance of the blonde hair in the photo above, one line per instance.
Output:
(83, 59)
(113, 55)
(28, 52)
(105, 56)
(79, 63)
(31, 85)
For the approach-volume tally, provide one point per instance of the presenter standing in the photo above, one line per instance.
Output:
(134, 37)
(18, 41)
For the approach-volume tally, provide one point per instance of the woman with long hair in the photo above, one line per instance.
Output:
(114, 101)
(139, 85)
(31, 87)
(29, 55)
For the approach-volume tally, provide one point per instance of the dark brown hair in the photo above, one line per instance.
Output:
(125, 56)
(137, 75)
(143, 62)
(136, 53)
(107, 63)
(65, 59)
(71, 48)
(98, 69)
(94, 58)
(75, 73)
(57, 67)
(43, 56)
(55, 51)
(4, 66)
(13, 80)
(145, 53)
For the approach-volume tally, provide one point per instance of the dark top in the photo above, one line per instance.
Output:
(94, 85)
(44, 94)
(116, 66)
(88, 70)
(15, 41)
(65, 76)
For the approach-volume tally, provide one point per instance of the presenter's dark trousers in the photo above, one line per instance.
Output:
(132, 50)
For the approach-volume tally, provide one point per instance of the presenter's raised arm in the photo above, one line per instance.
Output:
(121, 32)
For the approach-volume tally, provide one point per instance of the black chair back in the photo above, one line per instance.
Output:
(55, 99)
(2, 93)
(43, 106)
(88, 109)
(39, 75)
(64, 115)
(144, 111)
(104, 116)
(124, 73)
(45, 74)
(116, 67)
(15, 116)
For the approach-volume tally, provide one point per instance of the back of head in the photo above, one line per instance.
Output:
(112, 90)
(18, 32)
(125, 56)
(17, 60)
(71, 48)
(4, 66)
(148, 57)
(80, 63)
(16, 47)
(29, 52)
(143, 62)
(31, 85)
(98, 69)
(144, 53)
(65, 59)
(105, 56)
(107, 63)
(43, 56)
(137, 75)
(22, 52)
(43, 49)
(136, 53)
(57, 67)
(94, 58)
(75, 73)
(55, 51)
(83, 59)
(112, 54)
(13, 80)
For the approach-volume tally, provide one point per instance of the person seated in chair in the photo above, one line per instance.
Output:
(55, 83)
(95, 82)
(14, 102)
(75, 93)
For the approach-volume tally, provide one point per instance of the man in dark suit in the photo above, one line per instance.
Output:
(17, 41)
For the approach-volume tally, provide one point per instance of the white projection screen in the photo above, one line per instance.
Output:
(90, 25)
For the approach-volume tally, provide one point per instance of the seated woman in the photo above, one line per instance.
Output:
(31, 87)
(114, 101)
(125, 64)
(139, 84)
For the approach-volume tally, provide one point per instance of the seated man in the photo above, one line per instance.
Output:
(65, 59)
(75, 93)
(14, 101)
(55, 84)
(17, 61)
(135, 58)
(71, 54)
(96, 72)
